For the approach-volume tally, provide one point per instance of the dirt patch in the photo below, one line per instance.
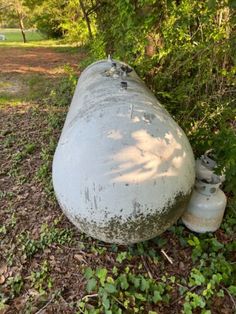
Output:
(9, 85)
(33, 74)
(35, 60)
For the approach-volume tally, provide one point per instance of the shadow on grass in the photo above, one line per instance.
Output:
(36, 88)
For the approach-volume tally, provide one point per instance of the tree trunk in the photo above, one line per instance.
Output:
(22, 27)
(86, 17)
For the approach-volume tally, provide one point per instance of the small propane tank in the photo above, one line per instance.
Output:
(206, 207)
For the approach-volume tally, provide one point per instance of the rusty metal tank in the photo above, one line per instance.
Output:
(123, 170)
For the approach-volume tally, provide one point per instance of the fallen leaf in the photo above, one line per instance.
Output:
(19, 302)
(3, 269)
(78, 257)
(181, 265)
(2, 279)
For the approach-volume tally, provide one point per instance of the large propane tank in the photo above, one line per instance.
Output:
(123, 170)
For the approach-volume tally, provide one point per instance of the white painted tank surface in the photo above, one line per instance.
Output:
(206, 208)
(123, 170)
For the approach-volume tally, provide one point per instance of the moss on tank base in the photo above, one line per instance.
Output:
(141, 229)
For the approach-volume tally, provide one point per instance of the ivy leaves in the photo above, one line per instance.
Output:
(125, 290)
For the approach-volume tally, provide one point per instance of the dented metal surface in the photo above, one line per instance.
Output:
(123, 170)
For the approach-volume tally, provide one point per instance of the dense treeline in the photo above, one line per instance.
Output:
(184, 49)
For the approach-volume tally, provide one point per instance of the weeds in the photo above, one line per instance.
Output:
(48, 236)
(16, 284)
(17, 159)
(213, 274)
(123, 291)
(40, 279)
(62, 93)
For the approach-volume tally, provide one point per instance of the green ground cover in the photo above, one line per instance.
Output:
(14, 35)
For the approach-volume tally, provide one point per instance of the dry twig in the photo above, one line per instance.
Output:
(89, 296)
(46, 305)
(231, 297)
(167, 257)
(147, 268)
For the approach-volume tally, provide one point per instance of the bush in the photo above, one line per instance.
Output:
(185, 51)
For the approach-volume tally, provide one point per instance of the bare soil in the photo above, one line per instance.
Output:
(34, 60)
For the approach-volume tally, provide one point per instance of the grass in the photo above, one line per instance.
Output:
(34, 39)
(14, 35)
(6, 100)
(33, 90)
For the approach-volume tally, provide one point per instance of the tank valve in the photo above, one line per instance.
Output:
(205, 168)
(114, 72)
(124, 85)
(126, 69)
(113, 65)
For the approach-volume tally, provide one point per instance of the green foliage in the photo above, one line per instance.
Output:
(14, 13)
(125, 291)
(48, 235)
(17, 159)
(26, 150)
(193, 301)
(47, 16)
(122, 290)
(229, 222)
(62, 93)
(16, 284)
(186, 53)
(73, 23)
(40, 279)
(121, 257)
(214, 270)
(46, 157)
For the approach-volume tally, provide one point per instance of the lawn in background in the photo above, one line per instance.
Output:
(34, 39)
(14, 35)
